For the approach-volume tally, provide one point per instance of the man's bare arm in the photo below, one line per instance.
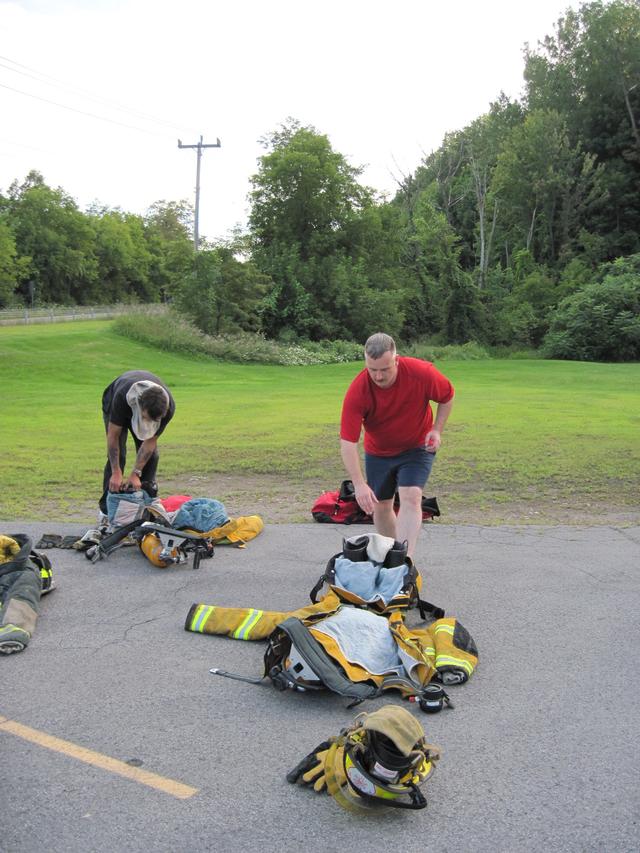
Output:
(434, 439)
(145, 452)
(113, 454)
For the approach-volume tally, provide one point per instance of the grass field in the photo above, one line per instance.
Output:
(528, 441)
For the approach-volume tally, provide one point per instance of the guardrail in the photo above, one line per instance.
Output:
(64, 313)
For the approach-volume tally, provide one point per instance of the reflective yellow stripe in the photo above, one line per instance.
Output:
(247, 624)
(445, 660)
(447, 629)
(200, 617)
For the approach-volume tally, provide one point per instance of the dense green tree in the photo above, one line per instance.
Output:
(331, 251)
(461, 171)
(601, 321)
(484, 140)
(195, 295)
(304, 193)
(124, 258)
(168, 231)
(222, 294)
(589, 72)
(13, 269)
(544, 185)
(58, 240)
(172, 220)
(432, 252)
(464, 315)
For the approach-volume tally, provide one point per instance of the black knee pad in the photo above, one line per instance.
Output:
(150, 487)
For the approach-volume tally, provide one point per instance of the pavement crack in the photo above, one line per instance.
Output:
(622, 531)
(143, 622)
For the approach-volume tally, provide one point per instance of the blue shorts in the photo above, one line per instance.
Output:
(386, 473)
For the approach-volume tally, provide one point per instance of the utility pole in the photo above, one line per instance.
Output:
(199, 146)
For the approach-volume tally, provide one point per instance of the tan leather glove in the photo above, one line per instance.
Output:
(312, 769)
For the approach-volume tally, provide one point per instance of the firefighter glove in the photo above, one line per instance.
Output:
(312, 770)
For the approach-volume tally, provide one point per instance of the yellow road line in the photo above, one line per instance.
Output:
(105, 762)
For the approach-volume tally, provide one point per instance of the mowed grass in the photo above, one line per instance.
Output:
(527, 440)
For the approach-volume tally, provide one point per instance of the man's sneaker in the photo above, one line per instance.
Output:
(13, 639)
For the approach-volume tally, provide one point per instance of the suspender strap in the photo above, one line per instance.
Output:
(324, 666)
(429, 610)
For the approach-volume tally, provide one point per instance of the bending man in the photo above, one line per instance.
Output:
(140, 403)
(392, 398)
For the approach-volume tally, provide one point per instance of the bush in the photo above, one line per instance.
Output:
(470, 351)
(601, 322)
(172, 333)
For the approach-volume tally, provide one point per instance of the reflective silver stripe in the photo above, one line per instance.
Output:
(446, 660)
(201, 615)
(247, 624)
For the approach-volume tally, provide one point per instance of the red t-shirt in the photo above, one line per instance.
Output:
(397, 418)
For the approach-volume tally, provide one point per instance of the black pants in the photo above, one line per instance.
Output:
(148, 478)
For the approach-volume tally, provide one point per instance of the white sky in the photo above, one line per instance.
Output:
(384, 80)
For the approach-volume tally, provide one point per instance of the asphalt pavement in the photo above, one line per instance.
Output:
(539, 753)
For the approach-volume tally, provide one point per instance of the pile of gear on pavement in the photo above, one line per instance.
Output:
(353, 638)
(166, 530)
(355, 641)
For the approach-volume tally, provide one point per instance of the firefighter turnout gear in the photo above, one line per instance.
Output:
(355, 640)
(24, 576)
(320, 646)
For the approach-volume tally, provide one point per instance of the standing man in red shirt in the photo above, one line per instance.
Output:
(392, 399)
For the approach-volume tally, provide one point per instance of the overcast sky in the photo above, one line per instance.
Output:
(95, 93)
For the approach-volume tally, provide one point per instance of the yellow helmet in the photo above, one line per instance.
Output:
(152, 547)
(379, 761)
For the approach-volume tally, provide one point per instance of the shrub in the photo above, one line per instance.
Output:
(601, 322)
(173, 333)
(470, 351)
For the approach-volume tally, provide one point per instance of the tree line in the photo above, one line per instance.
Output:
(521, 230)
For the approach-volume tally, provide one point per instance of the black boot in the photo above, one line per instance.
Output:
(356, 549)
(396, 556)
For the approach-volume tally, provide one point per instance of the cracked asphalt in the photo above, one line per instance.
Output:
(539, 753)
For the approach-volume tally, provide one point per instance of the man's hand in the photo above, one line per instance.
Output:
(133, 482)
(115, 481)
(365, 497)
(432, 441)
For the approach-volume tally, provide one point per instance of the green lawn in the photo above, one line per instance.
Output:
(527, 440)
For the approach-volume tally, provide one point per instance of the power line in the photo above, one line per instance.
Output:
(24, 145)
(84, 112)
(48, 80)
